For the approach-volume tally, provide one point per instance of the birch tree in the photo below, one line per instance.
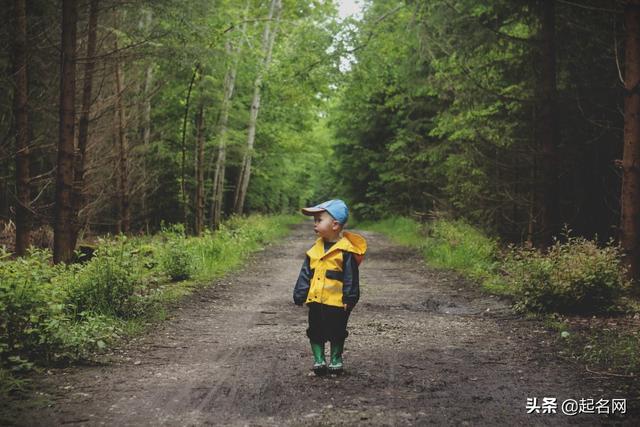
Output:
(229, 86)
(145, 120)
(199, 199)
(124, 216)
(268, 39)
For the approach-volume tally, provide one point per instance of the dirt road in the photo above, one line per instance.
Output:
(425, 348)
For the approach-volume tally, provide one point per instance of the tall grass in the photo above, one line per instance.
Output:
(401, 230)
(447, 245)
(459, 246)
(216, 253)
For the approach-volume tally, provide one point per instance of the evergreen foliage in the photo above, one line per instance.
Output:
(441, 109)
(419, 105)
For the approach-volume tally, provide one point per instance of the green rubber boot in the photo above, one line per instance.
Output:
(319, 364)
(335, 367)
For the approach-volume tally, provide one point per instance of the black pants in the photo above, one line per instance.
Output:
(327, 323)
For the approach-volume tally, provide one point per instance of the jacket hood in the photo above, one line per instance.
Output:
(350, 242)
(357, 243)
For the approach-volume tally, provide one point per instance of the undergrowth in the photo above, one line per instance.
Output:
(574, 276)
(60, 313)
(613, 350)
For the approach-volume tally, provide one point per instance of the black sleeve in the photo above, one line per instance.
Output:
(351, 283)
(301, 289)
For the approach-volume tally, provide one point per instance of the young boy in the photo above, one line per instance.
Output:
(329, 282)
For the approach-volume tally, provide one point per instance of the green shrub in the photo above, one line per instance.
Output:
(50, 312)
(572, 277)
(105, 284)
(27, 301)
(80, 337)
(175, 260)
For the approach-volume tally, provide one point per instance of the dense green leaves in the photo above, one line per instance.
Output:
(576, 276)
(420, 105)
(441, 110)
(162, 47)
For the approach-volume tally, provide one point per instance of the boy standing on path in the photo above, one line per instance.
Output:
(329, 282)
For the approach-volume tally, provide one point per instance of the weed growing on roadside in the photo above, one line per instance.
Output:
(10, 384)
(107, 282)
(86, 334)
(28, 302)
(174, 256)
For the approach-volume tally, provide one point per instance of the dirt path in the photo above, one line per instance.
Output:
(424, 348)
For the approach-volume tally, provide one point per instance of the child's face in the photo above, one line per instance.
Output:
(325, 226)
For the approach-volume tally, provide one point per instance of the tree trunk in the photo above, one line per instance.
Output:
(218, 185)
(124, 217)
(144, 120)
(21, 120)
(548, 133)
(83, 123)
(62, 238)
(199, 214)
(218, 176)
(229, 86)
(146, 128)
(268, 38)
(183, 188)
(630, 197)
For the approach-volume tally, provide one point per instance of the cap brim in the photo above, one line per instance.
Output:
(312, 211)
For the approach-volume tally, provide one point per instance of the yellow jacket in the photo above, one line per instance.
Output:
(331, 277)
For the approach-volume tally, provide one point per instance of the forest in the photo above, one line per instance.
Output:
(511, 115)
(518, 119)
(156, 110)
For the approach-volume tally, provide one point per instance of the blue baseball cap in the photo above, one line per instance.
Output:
(336, 208)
